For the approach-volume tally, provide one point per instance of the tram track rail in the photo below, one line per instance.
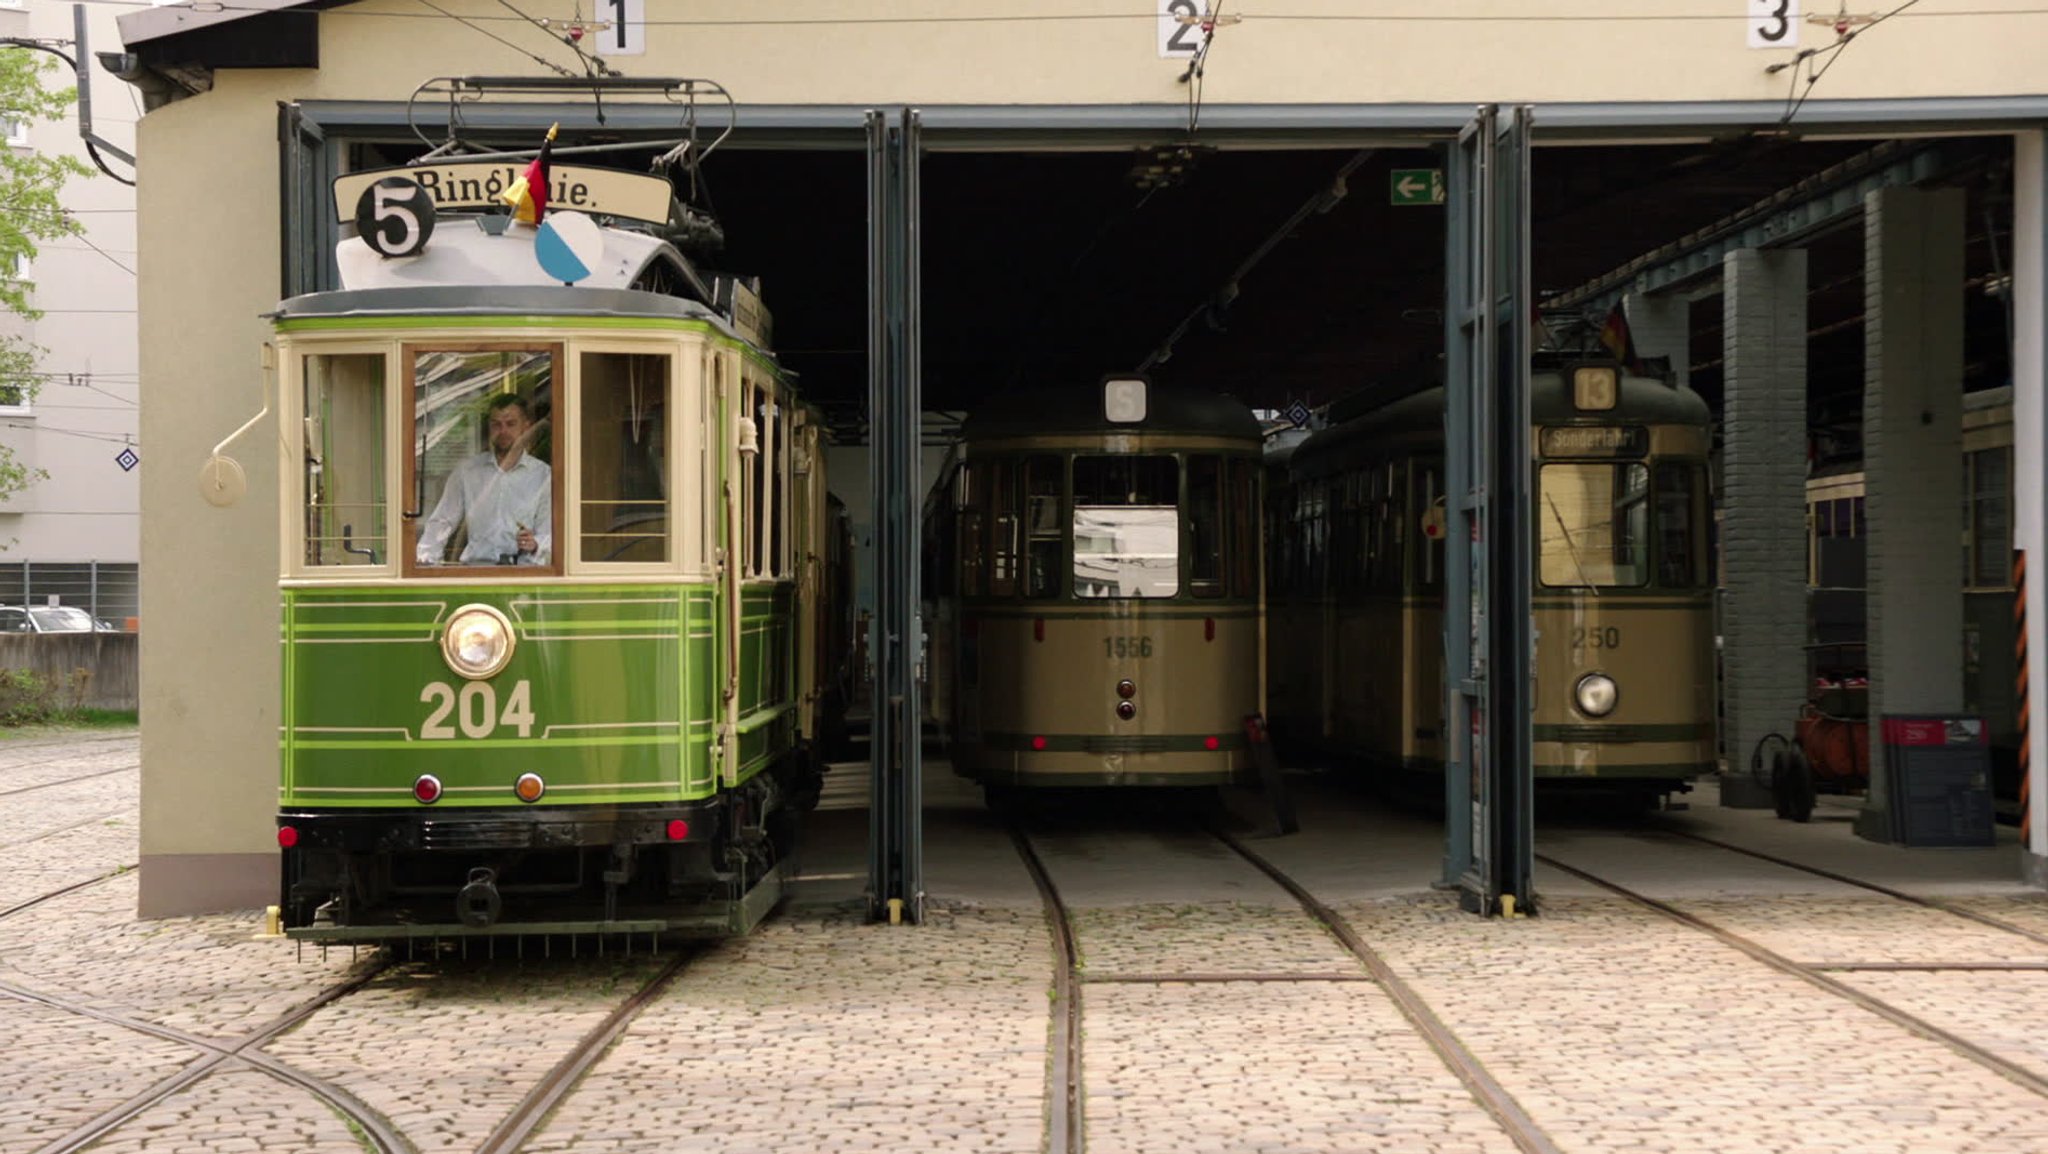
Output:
(540, 1101)
(124, 811)
(60, 891)
(1817, 975)
(1888, 891)
(70, 780)
(1064, 1077)
(216, 1056)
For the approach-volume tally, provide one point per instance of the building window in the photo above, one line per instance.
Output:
(17, 126)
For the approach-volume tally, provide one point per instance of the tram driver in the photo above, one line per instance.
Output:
(504, 495)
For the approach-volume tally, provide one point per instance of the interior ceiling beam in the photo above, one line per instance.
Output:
(1810, 207)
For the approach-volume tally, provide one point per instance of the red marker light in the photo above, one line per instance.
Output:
(427, 789)
(287, 836)
(1037, 743)
(1208, 629)
(1211, 743)
(678, 829)
(1038, 629)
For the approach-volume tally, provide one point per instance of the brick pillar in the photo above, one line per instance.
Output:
(1912, 461)
(1763, 502)
(1661, 327)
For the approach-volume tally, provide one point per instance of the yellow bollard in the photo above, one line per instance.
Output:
(895, 911)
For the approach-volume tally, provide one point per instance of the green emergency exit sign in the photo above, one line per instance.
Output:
(1407, 186)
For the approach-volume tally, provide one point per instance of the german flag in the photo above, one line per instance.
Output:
(528, 195)
(1615, 335)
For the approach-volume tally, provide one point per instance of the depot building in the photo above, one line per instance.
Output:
(1834, 234)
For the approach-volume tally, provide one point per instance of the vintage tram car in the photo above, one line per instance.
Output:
(1096, 584)
(558, 624)
(1622, 592)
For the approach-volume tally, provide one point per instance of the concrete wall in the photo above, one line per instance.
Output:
(209, 224)
(108, 658)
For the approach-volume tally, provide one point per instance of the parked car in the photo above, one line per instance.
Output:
(45, 619)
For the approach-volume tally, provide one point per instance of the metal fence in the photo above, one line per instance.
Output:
(102, 588)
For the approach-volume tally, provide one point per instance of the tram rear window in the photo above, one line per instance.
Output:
(1126, 526)
(625, 458)
(1594, 525)
(345, 502)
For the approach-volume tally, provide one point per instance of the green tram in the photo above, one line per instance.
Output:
(1094, 568)
(558, 625)
(1622, 597)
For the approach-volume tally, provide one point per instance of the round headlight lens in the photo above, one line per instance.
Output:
(477, 642)
(1596, 694)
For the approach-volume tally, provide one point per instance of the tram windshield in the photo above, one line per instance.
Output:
(1126, 526)
(482, 447)
(1601, 525)
(1594, 524)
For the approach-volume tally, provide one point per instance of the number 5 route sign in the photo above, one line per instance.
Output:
(1408, 186)
(625, 30)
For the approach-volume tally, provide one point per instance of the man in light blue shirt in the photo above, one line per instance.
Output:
(504, 494)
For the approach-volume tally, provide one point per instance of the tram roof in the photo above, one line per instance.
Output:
(498, 300)
(1078, 412)
(1644, 400)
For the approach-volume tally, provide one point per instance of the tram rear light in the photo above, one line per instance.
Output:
(678, 829)
(529, 787)
(1211, 744)
(427, 789)
(1126, 689)
(1126, 709)
(1208, 629)
(1038, 629)
(1037, 743)
(287, 837)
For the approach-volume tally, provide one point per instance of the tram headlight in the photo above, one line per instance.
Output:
(1596, 695)
(477, 642)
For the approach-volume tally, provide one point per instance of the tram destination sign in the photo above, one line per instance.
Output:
(1596, 441)
(477, 184)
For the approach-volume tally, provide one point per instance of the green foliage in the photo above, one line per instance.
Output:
(30, 211)
(29, 698)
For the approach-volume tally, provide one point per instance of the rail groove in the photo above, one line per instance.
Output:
(381, 1134)
(1065, 1133)
(2011, 1071)
(1490, 1094)
(526, 1117)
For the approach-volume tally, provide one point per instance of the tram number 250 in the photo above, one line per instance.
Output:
(1596, 638)
(475, 710)
(1127, 647)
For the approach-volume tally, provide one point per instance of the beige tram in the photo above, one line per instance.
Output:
(1095, 587)
(1622, 593)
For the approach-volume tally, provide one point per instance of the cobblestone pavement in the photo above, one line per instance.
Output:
(1612, 1026)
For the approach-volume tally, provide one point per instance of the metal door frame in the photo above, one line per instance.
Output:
(1489, 817)
(896, 641)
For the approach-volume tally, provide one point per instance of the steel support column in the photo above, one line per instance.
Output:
(896, 631)
(1488, 805)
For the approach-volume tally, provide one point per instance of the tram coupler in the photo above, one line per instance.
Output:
(479, 903)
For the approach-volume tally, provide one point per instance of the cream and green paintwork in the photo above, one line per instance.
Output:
(616, 691)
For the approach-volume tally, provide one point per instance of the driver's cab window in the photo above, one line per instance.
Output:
(480, 478)
(13, 621)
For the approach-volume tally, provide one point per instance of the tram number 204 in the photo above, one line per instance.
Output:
(1127, 647)
(475, 709)
(1596, 638)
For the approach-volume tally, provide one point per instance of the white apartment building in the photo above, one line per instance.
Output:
(75, 535)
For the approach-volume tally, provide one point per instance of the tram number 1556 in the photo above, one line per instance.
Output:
(475, 708)
(1126, 647)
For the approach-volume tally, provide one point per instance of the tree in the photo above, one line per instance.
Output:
(30, 212)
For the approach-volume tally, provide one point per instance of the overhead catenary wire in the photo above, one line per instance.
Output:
(1705, 15)
(472, 22)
